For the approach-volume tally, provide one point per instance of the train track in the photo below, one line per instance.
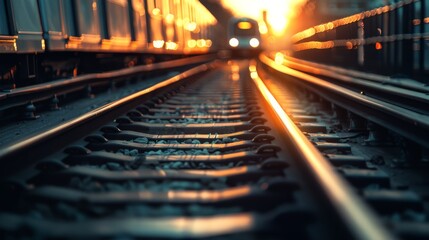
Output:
(209, 153)
(24, 102)
(384, 134)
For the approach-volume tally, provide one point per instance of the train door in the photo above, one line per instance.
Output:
(4, 28)
(87, 28)
(193, 27)
(156, 35)
(187, 38)
(168, 19)
(52, 16)
(138, 20)
(118, 25)
(25, 25)
(178, 13)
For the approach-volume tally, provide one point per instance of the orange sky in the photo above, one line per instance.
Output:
(278, 11)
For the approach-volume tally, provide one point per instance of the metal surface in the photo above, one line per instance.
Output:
(359, 218)
(21, 149)
(405, 122)
(20, 96)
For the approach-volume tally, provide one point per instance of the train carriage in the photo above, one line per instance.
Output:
(139, 24)
(20, 40)
(244, 37)
(53, 24)
(117, 23)
(49, 39)
(156, 27)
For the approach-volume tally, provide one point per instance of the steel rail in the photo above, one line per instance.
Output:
(43, 91)
(22, 150)
(405, 122)
(356, 80)
(404, 83)
(362, 222)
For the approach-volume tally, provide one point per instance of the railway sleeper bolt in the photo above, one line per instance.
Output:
(268, 149)
(89, 93)
(30, 112)
(263, 138)
(258, 120)
(255, 113)
(54, 103)
(260, 129)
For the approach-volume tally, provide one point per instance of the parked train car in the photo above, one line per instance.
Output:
(48, 39)
(243, 36)
(388, 40)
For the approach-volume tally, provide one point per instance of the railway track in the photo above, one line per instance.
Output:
(384, 140)
(204, 154)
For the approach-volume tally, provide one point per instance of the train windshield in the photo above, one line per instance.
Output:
(245, 28)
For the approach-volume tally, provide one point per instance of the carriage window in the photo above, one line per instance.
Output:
(244, 29)
(139, 20)
(52, 20)
(4, 28)
(88, 21)
(119, 25)
(26, 16)
(244, 25)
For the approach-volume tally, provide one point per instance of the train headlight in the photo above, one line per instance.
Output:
(254, 42)
(233, 42)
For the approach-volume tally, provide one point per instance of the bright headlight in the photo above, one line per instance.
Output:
(254, 42)
(233, 42)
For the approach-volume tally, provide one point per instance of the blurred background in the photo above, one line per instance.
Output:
(280, 19)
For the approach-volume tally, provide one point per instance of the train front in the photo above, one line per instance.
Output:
(243, 37)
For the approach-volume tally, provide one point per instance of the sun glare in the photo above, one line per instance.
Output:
(278, 12)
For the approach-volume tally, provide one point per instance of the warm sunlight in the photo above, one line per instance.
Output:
(278, 11)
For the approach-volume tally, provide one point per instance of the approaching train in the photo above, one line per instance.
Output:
(47, 39)
(244, 37)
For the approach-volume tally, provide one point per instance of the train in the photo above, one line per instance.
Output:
(42, 40)
(243, 37)
(389, 40)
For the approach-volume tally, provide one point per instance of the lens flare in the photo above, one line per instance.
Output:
(279, 12)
